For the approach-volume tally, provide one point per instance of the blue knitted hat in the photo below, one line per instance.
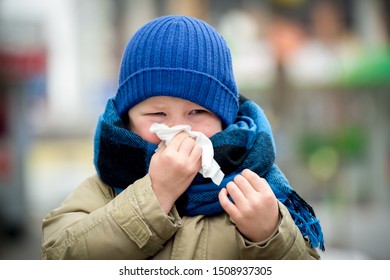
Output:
(182, 57)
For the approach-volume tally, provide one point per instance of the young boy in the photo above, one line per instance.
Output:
(148, 199)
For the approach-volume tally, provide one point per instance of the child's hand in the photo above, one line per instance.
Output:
(173, 167)
(255, 208)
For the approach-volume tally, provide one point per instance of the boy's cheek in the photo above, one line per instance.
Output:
(146, 135)
(151, 137)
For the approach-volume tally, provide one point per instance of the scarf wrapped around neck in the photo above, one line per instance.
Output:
(121, 157)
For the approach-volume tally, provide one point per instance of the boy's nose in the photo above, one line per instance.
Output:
(176, 121)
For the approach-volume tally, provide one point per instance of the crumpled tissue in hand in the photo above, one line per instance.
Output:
(210, 168)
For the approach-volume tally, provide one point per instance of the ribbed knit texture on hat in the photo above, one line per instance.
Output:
(178, 56)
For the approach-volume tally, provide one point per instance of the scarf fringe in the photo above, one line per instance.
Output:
(305, 218)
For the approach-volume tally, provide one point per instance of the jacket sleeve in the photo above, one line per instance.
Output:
(287, 243)
(92, 224)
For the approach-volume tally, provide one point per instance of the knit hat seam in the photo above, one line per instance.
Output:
(156, 69)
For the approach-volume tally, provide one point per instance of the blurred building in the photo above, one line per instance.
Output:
(319, 68)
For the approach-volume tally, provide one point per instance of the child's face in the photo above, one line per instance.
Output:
(171, 111)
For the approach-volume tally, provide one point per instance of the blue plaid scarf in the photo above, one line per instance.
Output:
(122, 157)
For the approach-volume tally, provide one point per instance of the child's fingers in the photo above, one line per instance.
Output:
(176, 142)
(196, 154)
(187, 145)
(244, 186)
(237, 195)
(258, 183)
(226, 204)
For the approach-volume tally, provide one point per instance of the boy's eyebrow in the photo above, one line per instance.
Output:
(157, 106)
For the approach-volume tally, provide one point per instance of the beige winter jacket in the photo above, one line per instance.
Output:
(94, 224)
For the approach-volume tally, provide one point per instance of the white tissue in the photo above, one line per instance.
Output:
(210, 168)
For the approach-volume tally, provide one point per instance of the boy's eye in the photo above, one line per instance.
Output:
(197, 111)
(157, 114)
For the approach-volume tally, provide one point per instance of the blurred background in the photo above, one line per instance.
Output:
(319, 69)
